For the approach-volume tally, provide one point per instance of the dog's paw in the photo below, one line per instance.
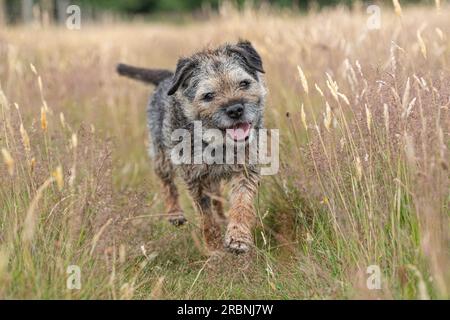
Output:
(236, 246)
(177, 218)
(237, 240)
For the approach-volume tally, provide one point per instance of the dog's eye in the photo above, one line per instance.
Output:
(244, 84)
(208, 96)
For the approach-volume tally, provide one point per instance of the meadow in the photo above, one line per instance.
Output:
(363, 185)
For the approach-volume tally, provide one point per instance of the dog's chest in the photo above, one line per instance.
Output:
(215, 172)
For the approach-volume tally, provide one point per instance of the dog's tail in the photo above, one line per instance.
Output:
(153, 76)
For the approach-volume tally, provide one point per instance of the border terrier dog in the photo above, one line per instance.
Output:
(224, 89)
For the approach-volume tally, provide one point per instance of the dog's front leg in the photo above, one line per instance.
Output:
(203, 202)
(242, 215)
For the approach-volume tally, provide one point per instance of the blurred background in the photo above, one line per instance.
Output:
(360, 95)
(54, 11)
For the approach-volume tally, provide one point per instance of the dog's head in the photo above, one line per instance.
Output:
(223, 88)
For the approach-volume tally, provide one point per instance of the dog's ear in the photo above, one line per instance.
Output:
(251, 57)
(185, 67)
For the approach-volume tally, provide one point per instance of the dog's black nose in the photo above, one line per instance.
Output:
(235, 111)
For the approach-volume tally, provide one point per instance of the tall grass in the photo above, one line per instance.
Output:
(364, 123)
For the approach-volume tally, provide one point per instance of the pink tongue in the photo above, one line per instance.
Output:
(239, 132)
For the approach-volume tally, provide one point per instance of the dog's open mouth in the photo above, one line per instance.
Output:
(240, 131)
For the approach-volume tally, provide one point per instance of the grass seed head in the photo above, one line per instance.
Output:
(62, 119)
(397, 8)
(332, 85)
(33, 69)
(25, 138)
(41, 88)
(44, 119)
(32, 164)
(328, 117)
(440, 33)
(74, 140)
(303, 79)
(438, 4)
(59, 178)
(422, 46)
(319, 90)
(303, 116)
(8, 160)
(344, 97)
(386, 116)
(368, 118)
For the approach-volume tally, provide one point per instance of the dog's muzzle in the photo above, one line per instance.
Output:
(235, 111)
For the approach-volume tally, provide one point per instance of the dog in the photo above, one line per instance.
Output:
(223, 89)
